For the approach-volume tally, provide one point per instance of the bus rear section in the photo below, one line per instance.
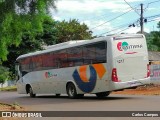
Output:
(130, 62)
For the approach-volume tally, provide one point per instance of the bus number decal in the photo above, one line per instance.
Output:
(120, 60)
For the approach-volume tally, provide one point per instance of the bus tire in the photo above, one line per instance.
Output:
(102, 94)
(71, 91)
(32, 95)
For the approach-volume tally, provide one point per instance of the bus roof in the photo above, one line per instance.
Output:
(74, 43)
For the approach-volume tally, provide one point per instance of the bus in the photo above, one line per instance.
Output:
(97, 66)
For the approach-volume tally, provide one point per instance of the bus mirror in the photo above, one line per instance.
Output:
(16, 71)
(17, 78)
(16, 66)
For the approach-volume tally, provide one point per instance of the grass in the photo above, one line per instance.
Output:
(9, 88)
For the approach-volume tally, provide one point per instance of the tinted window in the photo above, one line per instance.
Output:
(100, 53)
(60, 58)
(94, 53)
(76, 56)
(37, 62)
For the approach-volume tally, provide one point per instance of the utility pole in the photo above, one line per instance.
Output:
(141, 19)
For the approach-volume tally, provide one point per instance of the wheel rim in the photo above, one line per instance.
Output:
(71, 91)
(30, 90)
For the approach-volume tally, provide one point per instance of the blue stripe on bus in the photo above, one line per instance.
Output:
(86, 86)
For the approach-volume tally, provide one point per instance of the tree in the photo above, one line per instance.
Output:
(150, 44)
(4, 75)
(72, 30)
(51, 34)
(29, 44)
(17, 16)
(156, 39)
(153, 40)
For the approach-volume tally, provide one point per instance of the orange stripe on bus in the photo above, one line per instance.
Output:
(100, 69)
(83, 73)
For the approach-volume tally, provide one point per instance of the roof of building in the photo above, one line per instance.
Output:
(154, 56)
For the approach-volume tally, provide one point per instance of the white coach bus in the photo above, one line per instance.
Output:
(96, 66)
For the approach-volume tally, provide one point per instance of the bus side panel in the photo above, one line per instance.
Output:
(21, 87)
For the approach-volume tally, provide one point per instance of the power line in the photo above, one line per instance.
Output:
(131, 7)
(153, 16)
(118, 27)
(154, 2)
(153, 20)
(123, 30)
(111, 19)
(115, 28)
(151, 3)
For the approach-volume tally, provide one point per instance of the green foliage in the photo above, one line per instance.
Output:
(153, 40)
(156, 40)
(49, 34)
(150, 44)
(18, 16)
(31, 43)
(72, 30)
(4, 74)
(53, 32)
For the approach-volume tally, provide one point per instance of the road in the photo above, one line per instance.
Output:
(88, 103)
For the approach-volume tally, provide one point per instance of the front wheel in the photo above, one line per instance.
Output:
(31, 93)
(102, 94)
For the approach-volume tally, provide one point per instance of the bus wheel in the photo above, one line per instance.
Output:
(71, 91)
(31, 92)
(102, 94)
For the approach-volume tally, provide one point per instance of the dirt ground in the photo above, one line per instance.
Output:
(142, 90)
(10, 107)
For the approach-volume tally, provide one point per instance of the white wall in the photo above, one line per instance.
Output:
(8, 83)
(155, 73)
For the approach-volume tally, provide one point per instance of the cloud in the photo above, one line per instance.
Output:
(92, 5)
(95, 12)
(98, 30)
(157, 19)
(57, 18)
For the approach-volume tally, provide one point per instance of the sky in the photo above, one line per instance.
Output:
(105, 17)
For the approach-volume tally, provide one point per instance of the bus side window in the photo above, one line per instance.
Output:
(94, 53)
(101, 52)
(75, 56)
(89, 54)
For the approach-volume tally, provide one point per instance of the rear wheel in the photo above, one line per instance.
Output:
(31, 92)
(71, 90)
(102, 94)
